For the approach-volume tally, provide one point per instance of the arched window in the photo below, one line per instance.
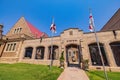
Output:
(95, 56)
(55, 52)
(40, 52)
(115, 46)
(28, 52)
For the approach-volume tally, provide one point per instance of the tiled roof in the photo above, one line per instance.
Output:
(35, 31)
(113, 23)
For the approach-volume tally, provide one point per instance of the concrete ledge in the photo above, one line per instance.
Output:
(113, 69)
(44, 62)
(8, 59)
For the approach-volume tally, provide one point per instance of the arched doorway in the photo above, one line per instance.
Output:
(73, 55)
(28, 52)
(95, 56)
(115, 46)
(40, 52)
(55, 52)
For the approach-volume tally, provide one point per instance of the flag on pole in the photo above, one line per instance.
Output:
(91, 22)
(92, 28)
(53, 27)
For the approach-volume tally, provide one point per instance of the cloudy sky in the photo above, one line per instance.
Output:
(67, 13)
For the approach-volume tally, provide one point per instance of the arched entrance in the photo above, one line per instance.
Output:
(115, 46)
(95, 56)
(73, 55)
(28, 52)
(55, 52)
(40, 52)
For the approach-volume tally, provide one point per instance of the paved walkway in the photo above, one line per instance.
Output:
(72, 73)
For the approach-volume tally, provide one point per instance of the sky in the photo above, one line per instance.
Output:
(67, 13)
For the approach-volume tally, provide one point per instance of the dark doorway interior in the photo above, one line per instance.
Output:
(40, 53)
(115, 46)
(55, 52)
(28, 52)
(95, 56)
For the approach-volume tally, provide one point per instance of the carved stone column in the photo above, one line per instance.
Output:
(46, 53)
(110, 56)
(34, 53)
(19, 48)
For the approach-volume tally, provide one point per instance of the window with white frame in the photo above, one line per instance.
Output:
(10, 47)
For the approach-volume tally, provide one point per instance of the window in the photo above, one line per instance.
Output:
(7, 47)
(40, 52)
(14, 31)
(115, 47)
(14, 45)
(20, 30)
(17, 30)
(28, 52)
(95, 56)
(11, 47)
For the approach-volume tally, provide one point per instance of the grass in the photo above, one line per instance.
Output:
(22, 71)
(99, 75)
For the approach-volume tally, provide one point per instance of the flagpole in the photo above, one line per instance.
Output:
(100, 53)
(51, 45)
(51, 50)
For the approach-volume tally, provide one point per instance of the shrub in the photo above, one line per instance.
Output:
(62, 60)
(85, 64)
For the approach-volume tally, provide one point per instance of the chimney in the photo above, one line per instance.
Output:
(1, 30)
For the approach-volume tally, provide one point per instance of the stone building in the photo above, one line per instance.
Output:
(24, 43)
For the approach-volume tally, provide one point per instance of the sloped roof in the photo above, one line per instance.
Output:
(35, 31)
(113, 23)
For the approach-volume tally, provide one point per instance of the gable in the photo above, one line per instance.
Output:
(24, 27)
(19, 28)
(71, 32)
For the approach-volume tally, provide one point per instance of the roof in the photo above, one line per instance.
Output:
(113, 23)
(35, 31)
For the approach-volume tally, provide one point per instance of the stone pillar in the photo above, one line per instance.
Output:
(46, 53)
(1, 30)
(33, 53)
(21, 56)
(60, 51)
(110, 56)
(19, 48)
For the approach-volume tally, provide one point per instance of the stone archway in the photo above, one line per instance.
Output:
(95, 56)
(55, 52)
(73, 55)
(115, 46)
(40, 52)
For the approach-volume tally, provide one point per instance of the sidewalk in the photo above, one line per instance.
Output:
(73, 73)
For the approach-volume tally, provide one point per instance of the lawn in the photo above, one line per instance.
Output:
(21, 71)
(99, 75)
